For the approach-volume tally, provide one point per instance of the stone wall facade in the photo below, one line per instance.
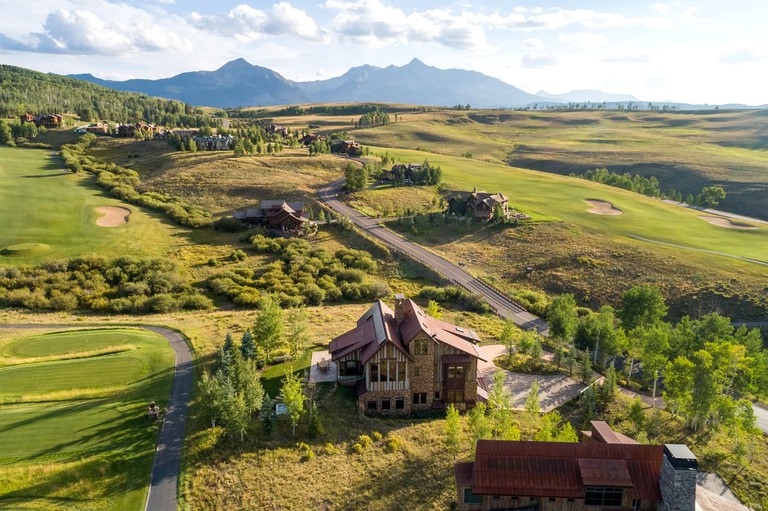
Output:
(678, 488)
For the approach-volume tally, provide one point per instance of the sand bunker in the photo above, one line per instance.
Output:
(601, 207)
(721, 221)
(112, 216)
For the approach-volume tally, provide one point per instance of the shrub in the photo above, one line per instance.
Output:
(330, 449)
(393, 444)
(229, 224)
(376, 436)
(237, 255)
(357, 448)
(365, 441)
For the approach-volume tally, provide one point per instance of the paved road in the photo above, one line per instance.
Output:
(503, 306)
(163, 486)
(167, 463)
(762, 417)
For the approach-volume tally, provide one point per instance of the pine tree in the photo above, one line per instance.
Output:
(247, 348)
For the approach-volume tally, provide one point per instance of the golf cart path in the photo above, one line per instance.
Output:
(166, 467)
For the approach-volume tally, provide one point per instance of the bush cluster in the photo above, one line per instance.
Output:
(123, 285)
(301, 275)
(455, 295)
(122, 183)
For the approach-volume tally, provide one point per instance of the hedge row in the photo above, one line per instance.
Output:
(122, 183)
(124, 285)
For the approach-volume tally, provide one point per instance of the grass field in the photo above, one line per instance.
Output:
(684, 150)
(49, 213)
(73, 434)
(550, 197)
(219, 182)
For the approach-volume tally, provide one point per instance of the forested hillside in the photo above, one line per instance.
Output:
(23, 90)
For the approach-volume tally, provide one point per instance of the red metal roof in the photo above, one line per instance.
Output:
(552, 469)
(602, 472)
(378, 325)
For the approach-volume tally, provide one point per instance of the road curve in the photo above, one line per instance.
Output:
(166, 466)
(503, 306)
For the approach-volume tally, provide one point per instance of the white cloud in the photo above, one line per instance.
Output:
(532, 44)
(740, 56)
(582, 39)
(374, 24)
(247, 24)
(539, 60)
(83, 32)
(664, 9)
(636, 59)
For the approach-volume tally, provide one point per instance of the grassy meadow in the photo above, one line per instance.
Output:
(73, 430)
(684, 150)
(548, 197)
(49, 213)
(219, 182)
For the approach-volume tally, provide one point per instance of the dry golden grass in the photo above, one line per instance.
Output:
(219, 182)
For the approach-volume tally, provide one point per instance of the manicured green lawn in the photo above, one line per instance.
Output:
(51, 213)
(77, 449)
(553, 197)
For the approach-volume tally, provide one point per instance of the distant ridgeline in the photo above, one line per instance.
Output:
(27, 91)
(292, 111)
(709, 197)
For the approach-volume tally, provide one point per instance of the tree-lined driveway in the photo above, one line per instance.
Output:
(503, 306)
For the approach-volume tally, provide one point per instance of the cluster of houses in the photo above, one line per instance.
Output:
(403, 361)
(204, 142)
(43, 120)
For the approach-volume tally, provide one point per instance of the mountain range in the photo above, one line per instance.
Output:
(240, 84)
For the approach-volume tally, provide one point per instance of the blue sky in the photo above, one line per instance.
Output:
(690, 51)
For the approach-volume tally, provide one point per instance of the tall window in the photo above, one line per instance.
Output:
(374, 373)
(401, 371)
(419, 347)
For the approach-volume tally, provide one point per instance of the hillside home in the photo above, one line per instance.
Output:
(45, 120)
(307, 139)
(278, 214)
(406, 361)
(477, 205)
(130, 130)
(402, 173)
(97, 128)
(609, 471)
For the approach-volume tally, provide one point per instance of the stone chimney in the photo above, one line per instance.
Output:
(678, 479)
(399, 308)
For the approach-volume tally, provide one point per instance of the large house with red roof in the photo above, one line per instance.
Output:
(607, 471)
(404, 361)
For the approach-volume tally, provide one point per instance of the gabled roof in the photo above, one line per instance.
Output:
(378, 325)
(375, 327)
(416, 320)
(553, 469)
